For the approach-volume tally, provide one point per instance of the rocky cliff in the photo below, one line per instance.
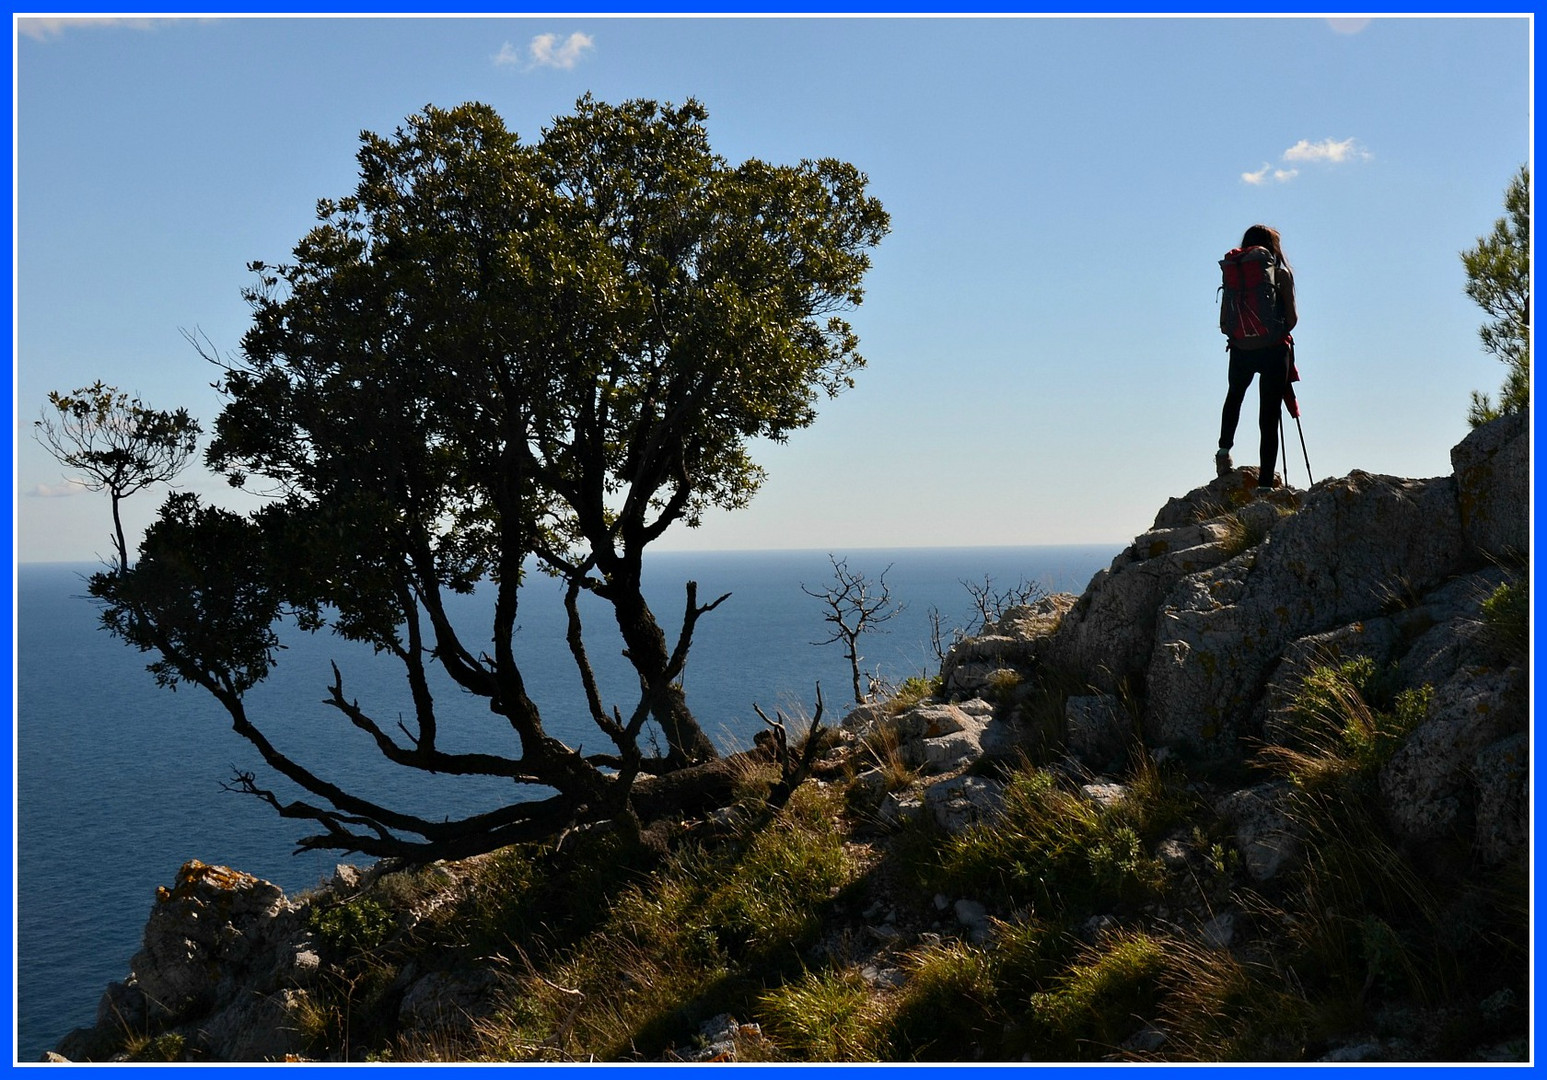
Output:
(1191, 650)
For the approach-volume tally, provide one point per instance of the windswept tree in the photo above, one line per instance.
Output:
(493, 355)
(116, 443)
(1498, 278)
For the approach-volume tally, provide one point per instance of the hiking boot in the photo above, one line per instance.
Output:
(1222, 462)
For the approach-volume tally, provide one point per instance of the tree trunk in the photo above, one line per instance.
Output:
(647, 651)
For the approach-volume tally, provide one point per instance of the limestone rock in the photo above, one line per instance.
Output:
(864, 717)
(1265, 832)
(1014, 642)
(1493, 479)
(1503, 775)
(1108, 635)
(898, 809)
(1426, 787)
(1356, 543)
(964, 801)
(1447, 631)
(1097, 728)
(200, 936)
(1219, 496)
(448, 999)
(1105, 793)
(259, 1027)
(223, 963)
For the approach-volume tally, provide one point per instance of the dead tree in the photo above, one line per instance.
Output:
(855, 606)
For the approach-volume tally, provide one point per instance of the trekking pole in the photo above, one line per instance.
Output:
(1281, 444)
(1308, 475)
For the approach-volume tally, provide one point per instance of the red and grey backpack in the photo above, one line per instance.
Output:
(1250, 314)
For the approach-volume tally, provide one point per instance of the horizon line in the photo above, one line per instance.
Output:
(18, 563)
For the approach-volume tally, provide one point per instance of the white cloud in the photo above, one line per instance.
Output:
(1327, 150)
(1267, 173)
(1347, 26)
(548, 51)
(507, 55)
(57, 491)
(46, 29)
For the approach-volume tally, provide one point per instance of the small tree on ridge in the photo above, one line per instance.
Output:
(856, 606)
(117, 443)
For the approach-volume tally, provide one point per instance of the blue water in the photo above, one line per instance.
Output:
(119, 782)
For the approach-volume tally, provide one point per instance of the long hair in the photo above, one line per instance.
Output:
(1265, 236)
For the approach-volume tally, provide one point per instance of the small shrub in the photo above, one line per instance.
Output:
(1098, 1002)
(1119, 864)
(1349, 725)
(359, 924)
(1058, 850)
(771, 898)
(883, 747)
(1003, 684)
(168, 1046)
(1215, 1006)
(823, 1016)
(946, 1008)
(1507, 617)
(913, 690)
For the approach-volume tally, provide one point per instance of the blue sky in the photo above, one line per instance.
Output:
(1045, 363)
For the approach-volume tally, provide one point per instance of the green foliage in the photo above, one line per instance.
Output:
(914, 690)
(1349, 724)
(1498, 278)
(1003, 684)
(167, 1046)
(823, 1016)
(1507, 615)
(1368, 917)
(359, 924)
(773, 897)
(1055, 848)
(492, 353)
(1095, 1001)
(1119, 862)
(946, 1007)
(706, 932)
(118, 443)
(198, 598)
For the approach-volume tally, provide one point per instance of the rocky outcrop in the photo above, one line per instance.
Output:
(1493, 481)
(1109, 634)
(1358, 546)
(1202, 630)
(1015, 641)
(226, 965)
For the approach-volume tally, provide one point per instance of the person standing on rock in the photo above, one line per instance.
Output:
(1257, 312)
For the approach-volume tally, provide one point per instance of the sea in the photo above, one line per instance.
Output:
(119, 782)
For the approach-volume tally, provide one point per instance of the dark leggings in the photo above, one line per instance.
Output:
(1272, 364)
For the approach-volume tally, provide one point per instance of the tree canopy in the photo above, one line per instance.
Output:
(494, 355)
(1498, 278)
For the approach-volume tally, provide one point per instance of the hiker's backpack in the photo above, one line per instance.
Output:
(1250, 314)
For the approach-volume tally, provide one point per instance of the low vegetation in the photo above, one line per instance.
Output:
(1088, 923)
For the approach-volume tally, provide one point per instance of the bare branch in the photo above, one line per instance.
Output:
(856, 605)
(793, 769)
